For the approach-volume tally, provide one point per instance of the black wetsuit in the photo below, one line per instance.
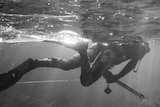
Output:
(89, 74)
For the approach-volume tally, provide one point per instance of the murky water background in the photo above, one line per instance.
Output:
(29, 20)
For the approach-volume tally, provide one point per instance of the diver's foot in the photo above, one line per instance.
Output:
(9, 79)
(78, 46)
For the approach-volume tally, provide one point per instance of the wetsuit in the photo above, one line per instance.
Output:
(11, 77)
(89, 72)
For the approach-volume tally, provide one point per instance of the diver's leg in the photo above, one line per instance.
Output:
(55, 62)
(85, 76)
(10, 78)
(81, 48)
(88, 74)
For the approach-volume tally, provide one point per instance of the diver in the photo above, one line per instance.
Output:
(95, 61)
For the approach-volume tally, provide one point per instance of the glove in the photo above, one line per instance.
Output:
(110, 77)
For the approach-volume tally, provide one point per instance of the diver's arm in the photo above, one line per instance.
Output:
(130, 66)
(113, 78)
(143, 49)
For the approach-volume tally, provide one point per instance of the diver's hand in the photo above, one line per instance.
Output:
(110, 77)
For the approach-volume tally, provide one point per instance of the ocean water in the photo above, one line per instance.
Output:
(24, 24)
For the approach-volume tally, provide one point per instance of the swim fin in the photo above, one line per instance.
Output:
(9, 79)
